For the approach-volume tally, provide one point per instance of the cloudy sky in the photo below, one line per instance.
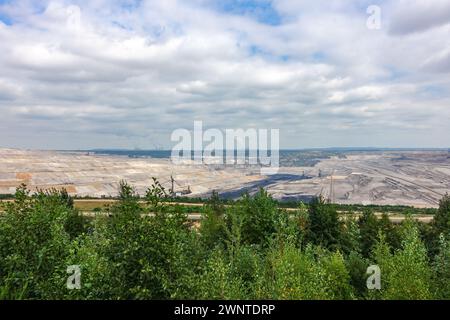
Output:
(124, 74)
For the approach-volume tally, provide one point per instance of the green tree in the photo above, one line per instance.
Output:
(350, 236)
(441, 268)
(324, 224)
(259, 216)
(441, 221)
(212, 227)
(357, 267)
(154, 196)
(390, 231)
(439, 226)
(217, 280)
(33, 243)
(405, 273)
(153, 256)
(369, 227)
(310, 274)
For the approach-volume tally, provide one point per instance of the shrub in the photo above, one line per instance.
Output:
(33, 243)
(248, 250)
(405, 274)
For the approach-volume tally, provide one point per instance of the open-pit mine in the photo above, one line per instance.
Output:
(413, 178)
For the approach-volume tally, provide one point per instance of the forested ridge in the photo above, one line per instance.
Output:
(251, 249)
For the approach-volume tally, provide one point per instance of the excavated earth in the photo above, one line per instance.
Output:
(414, 178)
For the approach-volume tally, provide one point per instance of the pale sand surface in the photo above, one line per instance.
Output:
(387, 178)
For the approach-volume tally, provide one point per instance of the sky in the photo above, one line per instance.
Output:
(125, 74)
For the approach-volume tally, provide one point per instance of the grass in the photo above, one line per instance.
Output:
(92, 204)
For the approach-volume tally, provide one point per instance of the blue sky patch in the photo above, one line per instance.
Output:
(261, 10)
(258, 51)
(131, 5)
(5, 19)
(319, 56)
(434, 91)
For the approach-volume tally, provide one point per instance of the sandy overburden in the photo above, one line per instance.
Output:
(404, 178)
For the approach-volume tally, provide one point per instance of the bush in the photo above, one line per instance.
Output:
(212, 228)
(259, 216)
(33, 243)
(248, 250)
(405, 273)
(441, 268)
(325, 226)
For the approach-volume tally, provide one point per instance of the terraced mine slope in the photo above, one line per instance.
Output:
(415, 178)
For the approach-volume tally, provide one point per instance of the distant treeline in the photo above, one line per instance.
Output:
(295, 204)
(348, 208)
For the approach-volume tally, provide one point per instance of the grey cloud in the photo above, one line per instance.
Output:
(439, 62)
(418, 16)
(102, 85)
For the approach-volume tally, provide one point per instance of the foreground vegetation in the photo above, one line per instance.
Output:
(196, 205)
(250, 249)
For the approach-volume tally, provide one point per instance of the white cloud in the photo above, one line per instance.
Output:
(100, 74)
